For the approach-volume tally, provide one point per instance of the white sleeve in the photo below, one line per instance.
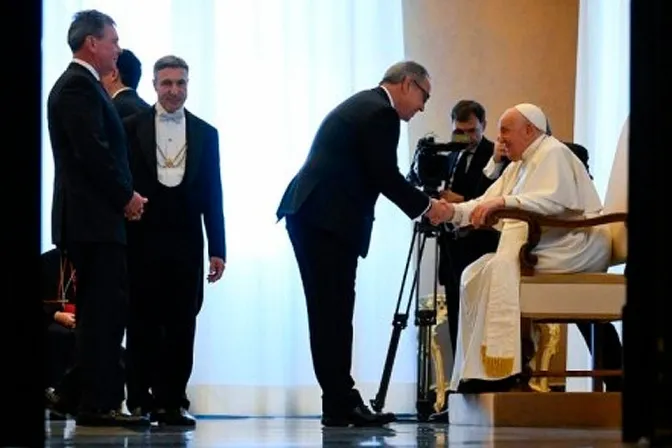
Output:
(493, 169)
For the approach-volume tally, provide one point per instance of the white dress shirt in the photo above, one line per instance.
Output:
(171, 145)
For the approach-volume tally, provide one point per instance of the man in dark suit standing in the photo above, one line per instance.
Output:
(329, 208)
(122, 84)
(92, 195)
(464, 181)
(175, 163)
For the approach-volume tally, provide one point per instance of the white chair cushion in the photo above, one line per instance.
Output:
(573, 296)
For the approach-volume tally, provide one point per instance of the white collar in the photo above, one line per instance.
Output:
(88, 66)
(123, 89)
(161, 111)
(389, 97)
(532, 148)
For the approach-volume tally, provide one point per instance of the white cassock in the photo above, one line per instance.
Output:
(549, 180)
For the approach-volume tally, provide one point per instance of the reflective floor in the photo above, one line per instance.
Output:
(262, 432)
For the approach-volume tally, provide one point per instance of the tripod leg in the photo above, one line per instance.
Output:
(399, 322)
(426, 320)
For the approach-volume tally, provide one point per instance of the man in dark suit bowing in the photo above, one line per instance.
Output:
(175, 163)
(93, 193)
(329, 208)
(122, 84)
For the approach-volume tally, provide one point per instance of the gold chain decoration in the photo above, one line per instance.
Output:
(173, 162)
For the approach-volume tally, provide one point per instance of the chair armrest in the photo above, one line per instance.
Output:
(536, 221)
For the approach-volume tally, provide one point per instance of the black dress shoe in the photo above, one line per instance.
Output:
(359, 415)
(477, 386)
(143, 412)
(174, 417)
(57, 404)
(54, 416)
(111, 418)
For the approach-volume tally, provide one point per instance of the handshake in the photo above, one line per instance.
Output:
(136, 206)
(440, 211)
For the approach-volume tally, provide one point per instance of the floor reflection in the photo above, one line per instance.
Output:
(258, 432)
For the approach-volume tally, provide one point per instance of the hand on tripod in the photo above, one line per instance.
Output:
(439, 211)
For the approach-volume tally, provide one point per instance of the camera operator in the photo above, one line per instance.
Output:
(465, 180)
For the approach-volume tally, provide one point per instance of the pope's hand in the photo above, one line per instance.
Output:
(483, 210)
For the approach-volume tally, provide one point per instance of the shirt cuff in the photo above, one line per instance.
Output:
(457, 214)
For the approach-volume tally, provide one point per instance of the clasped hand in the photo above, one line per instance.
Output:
(451, 196)
(65, 319)
(135, 207)
(439, 211)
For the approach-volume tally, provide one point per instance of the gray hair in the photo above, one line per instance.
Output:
(401, 70)
(170, 61)
(87, 23)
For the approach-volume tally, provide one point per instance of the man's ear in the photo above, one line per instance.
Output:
(485, 124)
(406, 84)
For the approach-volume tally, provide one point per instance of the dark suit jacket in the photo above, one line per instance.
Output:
(202, 177)
(475, 182)
(581, 152)
(128, 102)
(92, 179)
(353, 159)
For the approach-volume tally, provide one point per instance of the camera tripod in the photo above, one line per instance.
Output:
(424, 320)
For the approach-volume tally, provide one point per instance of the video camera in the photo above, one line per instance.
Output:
(430, 161)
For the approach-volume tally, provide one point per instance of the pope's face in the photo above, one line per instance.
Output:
(515, 133)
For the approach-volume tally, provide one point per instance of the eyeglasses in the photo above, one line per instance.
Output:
(425, 93)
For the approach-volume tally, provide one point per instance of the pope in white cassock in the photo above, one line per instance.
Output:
(544, 176)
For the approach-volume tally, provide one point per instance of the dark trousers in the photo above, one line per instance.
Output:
(328, 268)
(60, 353)
(96, 382)
(612, 351)
(166, 296)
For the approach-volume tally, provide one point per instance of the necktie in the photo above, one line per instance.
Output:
(175, 117)
(459, 170)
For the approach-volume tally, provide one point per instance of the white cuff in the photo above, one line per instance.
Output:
(457, 214)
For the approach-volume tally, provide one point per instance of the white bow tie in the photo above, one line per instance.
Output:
(175, 117)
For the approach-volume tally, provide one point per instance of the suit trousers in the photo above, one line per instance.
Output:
(96, 382)
(166, 289)
(328, 269)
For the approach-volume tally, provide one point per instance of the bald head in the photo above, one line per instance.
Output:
(519, 127)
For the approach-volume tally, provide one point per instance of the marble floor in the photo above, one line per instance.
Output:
(307, 432)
